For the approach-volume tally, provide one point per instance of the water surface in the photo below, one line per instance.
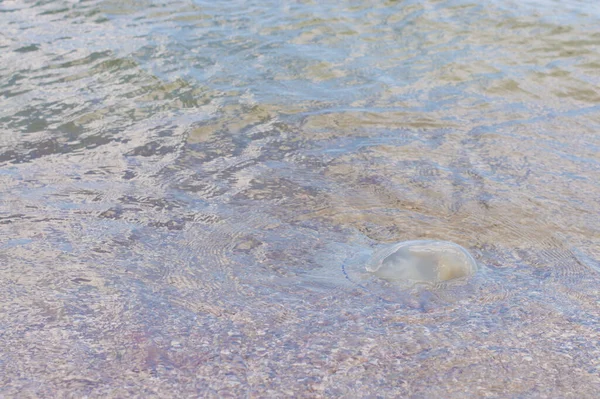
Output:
(189, 191)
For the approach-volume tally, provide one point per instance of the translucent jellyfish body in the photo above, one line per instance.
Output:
(422, 261)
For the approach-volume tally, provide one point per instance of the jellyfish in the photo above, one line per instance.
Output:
(422, 261)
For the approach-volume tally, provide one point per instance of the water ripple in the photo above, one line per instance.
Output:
(190, 191)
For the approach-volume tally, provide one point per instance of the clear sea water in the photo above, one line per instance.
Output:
(189, 191)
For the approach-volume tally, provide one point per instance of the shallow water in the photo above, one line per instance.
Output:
(190, 190)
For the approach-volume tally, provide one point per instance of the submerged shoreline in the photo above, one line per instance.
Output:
(190, 192)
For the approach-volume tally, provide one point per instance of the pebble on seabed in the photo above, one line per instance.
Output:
(422, 261)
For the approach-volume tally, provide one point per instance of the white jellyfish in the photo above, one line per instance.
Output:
(422, 261)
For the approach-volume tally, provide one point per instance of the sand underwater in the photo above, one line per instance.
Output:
(196, 199)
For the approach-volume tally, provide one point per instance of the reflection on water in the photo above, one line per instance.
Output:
(190, 191)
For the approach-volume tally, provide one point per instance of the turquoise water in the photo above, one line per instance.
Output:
(190, 191)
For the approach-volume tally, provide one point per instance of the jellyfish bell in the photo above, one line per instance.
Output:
(422, 261)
